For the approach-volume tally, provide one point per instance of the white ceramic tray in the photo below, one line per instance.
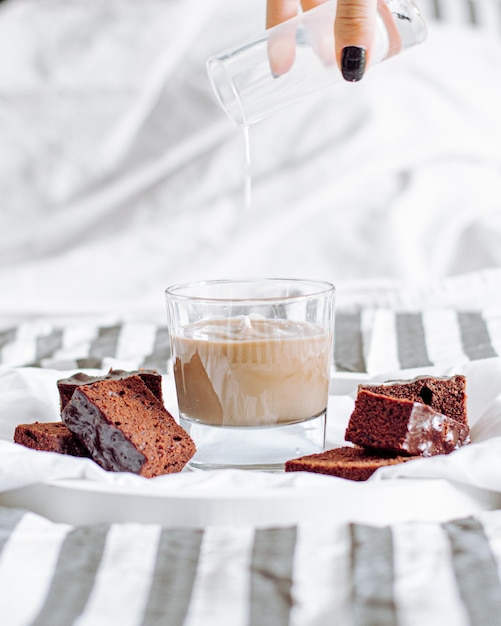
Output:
(323, 498)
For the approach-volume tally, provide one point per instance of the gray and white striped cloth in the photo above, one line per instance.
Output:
(369, 341)
(407, 574)
(485, 14)
(383, 340)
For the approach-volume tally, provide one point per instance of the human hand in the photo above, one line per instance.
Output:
(354, 28)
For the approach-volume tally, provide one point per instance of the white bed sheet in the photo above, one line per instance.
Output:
(119, 174)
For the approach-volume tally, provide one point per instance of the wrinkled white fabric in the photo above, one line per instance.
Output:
(119, 174)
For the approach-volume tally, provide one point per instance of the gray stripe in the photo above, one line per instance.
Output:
(472, 11)
(175, 569)
(437, 10)
(348, 343)
(271, 576)
(476, 571)
(161, 354)
(105, 344)
(9, 519)
(411, 341)
(372, 576)
(88, 363)
(279, 311)
(74, 576)
(475, 336)
(6, 337)
(46, 345)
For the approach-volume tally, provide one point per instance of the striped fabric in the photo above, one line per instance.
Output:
(410, 574)
(367, 341)
(465, 11)
(382, 340)
(85, 345)
(485, 14)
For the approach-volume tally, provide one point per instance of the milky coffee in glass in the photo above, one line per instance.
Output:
(252, 362)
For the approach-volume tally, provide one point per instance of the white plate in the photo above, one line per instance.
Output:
(316, 500)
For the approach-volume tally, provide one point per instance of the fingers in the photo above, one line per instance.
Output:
(277, 11)
(354, 30)
(282, 44)
(320, 34)
(282, 50)
(311, 4)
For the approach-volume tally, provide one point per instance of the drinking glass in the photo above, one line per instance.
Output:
(252, 361)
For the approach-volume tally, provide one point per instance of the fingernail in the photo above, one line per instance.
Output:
(353, 63)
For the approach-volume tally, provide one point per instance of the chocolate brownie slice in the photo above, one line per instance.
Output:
(66, 386)
(403, 426)
(126, 428)
(51, 437)
(352, 463)
(446, 395)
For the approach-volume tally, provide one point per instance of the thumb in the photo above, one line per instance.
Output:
(354, 30)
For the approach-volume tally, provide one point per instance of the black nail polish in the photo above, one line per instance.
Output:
(353, 63)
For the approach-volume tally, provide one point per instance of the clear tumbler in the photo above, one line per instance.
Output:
(252, 362)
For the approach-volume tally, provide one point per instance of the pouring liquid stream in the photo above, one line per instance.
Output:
(247, 169)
